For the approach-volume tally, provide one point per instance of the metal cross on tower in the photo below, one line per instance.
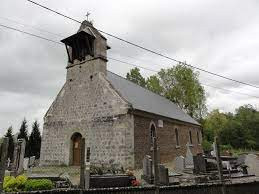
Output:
(87, 15)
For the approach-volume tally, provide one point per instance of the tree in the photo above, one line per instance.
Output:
(23, 134)
(135, 76)
(153, 84)
(35, 140)
(9, 134)
(179, 84)
(239, 129)
(214, 124)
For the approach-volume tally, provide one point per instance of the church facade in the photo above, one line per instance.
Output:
(116, 117)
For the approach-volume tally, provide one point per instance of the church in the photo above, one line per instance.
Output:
(116, 117)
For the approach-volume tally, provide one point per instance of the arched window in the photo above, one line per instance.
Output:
(190, 137)
(198, 137)
(152, 133)
(176, 137)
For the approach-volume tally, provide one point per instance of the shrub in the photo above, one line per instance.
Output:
(21, 180)
(38, 184)
(12, 184)
(206, 145)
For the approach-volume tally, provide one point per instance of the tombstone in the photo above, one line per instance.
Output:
(147, 169)
(252, 161)
(199, 164)
(25, 163)
(163, 177)
(213, 152)
(19, 151)
(87, 177)
(32, 161)
(188, 158)
(179, 163)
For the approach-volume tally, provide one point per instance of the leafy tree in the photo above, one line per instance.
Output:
(153, 84)
(238, 130)
(23, 134)
(135, 76)
(35, 140)
(214, 124)
(9, 134)
(179, 84)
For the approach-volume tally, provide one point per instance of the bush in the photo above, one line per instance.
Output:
(206, 145)
(38, 184)
(12, 184)
(21, 183)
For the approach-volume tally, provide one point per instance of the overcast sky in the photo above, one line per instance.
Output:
(217, 35)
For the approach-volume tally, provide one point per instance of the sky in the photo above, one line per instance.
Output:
(217, 35)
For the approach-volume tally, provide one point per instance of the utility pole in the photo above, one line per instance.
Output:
(82, 163)
(219, 165)
(155, 163)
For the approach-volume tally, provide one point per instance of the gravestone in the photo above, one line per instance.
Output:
(163, 177)
(252, 161)
(147, 169)
(19, 151)
(213, 152)
(25, 163)
(188, 157)
(199, 164)
(32, 161)
(179, 163)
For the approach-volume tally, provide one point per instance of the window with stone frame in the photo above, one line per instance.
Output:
(190, 137)
(152, 133)
(176, 137)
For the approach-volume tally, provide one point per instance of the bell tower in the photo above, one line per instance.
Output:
(87, 50)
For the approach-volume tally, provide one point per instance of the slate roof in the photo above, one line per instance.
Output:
(145, 100)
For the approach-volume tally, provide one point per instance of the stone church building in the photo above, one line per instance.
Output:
(116, 117)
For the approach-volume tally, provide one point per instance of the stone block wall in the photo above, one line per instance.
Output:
(87, 104)
(166, 138)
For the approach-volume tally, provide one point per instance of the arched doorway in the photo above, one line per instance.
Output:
(76, 148)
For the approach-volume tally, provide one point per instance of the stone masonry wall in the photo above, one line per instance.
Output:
(87, 104)
(166, 139)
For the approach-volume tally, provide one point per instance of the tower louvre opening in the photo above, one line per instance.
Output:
(79, 46)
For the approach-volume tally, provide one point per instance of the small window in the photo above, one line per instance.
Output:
(198, 137)
(190, 137)
(177, 137)
(152, 133)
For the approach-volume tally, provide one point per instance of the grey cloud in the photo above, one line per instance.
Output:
(217, 35)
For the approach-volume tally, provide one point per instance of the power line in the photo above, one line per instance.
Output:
(111, 58)
(229, 90)
(149, 50)
(152, 70)
(24, 32)
(31, 26)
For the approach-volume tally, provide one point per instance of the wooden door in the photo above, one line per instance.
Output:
(76, 150)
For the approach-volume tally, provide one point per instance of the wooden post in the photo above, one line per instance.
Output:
(155, 163)
(87, 169)
(219, 164)
(82, 164)
(4, 150)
